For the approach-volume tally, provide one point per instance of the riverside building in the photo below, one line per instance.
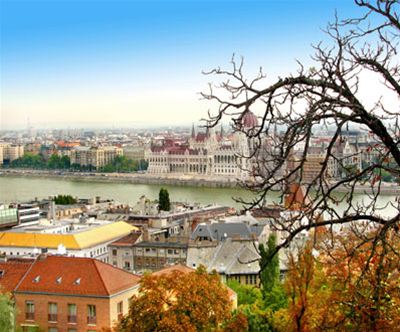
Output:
(206, 154)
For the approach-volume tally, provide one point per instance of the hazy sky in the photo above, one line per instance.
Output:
(122, 63)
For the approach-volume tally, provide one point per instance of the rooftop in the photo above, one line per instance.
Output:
(86, 238)
(75, 276)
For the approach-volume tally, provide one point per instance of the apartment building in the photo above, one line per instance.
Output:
(9, 152)
(94, 157)
(67, 294)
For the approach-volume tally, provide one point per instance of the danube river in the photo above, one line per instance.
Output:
(20, 189)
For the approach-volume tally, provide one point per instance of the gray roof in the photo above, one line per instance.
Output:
(221, 231)
(229, 257)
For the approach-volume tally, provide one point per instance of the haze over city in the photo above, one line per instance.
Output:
(135, 63)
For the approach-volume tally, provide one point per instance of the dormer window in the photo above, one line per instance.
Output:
(77, 281)
(58, 280)
(37, 279)
(2, 272)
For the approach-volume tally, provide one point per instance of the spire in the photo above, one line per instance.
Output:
(222, 131)
(208, 132)
(193, 131)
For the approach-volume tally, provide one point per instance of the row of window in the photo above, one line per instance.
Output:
(152, 250)
(53, 312)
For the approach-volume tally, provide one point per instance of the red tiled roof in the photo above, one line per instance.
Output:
(75, 276)
(12, 273)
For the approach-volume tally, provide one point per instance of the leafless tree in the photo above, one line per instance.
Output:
(362, 54)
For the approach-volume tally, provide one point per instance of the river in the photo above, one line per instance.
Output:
(20, 189)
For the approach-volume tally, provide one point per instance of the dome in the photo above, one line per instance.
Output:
(249, 120)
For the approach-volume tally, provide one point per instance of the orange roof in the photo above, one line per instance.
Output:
(296, 198)
(173, 268)
(75, 276)
(11, 272)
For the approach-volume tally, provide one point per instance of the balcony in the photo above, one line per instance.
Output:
(91, 320)
(52, 317)
(72, 319)
(30, 316)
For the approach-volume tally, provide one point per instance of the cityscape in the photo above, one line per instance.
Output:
(270, 204)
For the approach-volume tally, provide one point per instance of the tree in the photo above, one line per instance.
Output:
(8, 313)
(326, 294)
(195, 301)
(64, 200)
(163, 200)
(328, 94)
(270, 274)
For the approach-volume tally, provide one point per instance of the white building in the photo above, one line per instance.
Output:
(71, 238)
(207, 154)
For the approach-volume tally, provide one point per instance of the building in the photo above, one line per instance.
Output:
(206, 154)
(233, 259)
(153, 256)
(11, 152)
(8, 216)
(121, 251)
(68, 294)
(28, 213)
(94, 157)
(134, 152)
(133, 254)
(70, 238)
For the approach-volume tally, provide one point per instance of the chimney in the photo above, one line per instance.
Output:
(145, 230)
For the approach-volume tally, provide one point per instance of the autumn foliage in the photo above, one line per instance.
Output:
(182, 302)
(339, 288)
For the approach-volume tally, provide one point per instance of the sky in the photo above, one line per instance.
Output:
(66, 64)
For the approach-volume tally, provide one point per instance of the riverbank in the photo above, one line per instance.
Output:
(169, 179)
(133, 178)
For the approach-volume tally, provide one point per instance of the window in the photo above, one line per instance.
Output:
(114, 252)
(127, 265)
(52, 316)
(72, 330)
(72, 313)
(29, 310)
(53, 329)
(91, 314)
(120, 309)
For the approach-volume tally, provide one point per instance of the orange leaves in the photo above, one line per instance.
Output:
(353, 285)
(178, 301)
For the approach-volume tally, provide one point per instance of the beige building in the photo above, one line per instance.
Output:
(95, 157)
(134, 152)
(10, 152)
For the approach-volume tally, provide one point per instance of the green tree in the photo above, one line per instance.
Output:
(272, 291)
(270, 275)
(163, 200)
(54, 161)
(7, 313)
(64, 200)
